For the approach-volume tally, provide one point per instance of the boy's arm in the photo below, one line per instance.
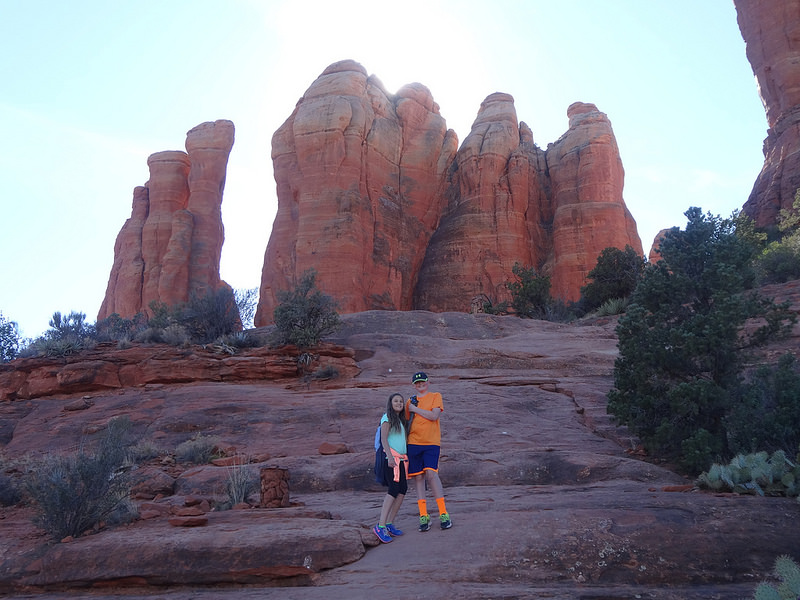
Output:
(431, 415)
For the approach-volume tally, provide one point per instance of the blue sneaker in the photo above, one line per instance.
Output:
(446, 523)
(382, 534)
(394, 531)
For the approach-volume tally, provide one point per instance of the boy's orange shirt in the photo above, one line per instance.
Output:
(425, 432)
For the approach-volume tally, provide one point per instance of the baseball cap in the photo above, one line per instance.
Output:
(419, 377)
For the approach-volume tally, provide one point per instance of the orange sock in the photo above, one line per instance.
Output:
(423, 507)
(442, 507)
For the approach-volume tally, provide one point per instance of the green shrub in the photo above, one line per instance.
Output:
(209, 316)
(175, 335)
(788, 572)
(305, 315)
(614, 306)
(780, 261)
(615, 276)
(490, 308)
(9, 339)
(75, 493)
(682, 341)
(161, 316)
(242, 339)
(198, 450)
(766, 413)
(117, 329)
(530, 293)
(67, 335)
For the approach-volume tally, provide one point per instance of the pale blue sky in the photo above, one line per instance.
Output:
(90, 88)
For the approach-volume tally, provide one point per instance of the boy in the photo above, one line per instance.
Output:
(424, 441)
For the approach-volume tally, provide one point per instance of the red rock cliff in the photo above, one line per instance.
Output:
(360, 177)
(373, 195)
(771, 31)
(170, 247)
(511, 202)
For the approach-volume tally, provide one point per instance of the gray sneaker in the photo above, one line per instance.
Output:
(424, 523)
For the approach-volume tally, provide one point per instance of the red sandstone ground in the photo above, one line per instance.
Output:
(547, 499)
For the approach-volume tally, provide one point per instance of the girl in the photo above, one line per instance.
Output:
(393, 438)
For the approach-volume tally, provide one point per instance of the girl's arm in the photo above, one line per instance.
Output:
(385, 442)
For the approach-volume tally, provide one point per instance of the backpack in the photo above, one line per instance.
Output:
(380, 467)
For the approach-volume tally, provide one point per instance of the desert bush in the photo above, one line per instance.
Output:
(326, 372)
(766, 413)
(160, 315)
(243, 480)
(616, 275)
(613, 306)
(74, 493)
(143, 451)
(305, 315)
(67, 335)
(207, 317)
(9, 339)
(682, 342)
(149, 335)
(117, 329)
(242, 339)
(787, 572)
(530, 293)
(780, 261)
(198, 450)
(175, 335)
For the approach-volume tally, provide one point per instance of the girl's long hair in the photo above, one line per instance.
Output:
(397, 421)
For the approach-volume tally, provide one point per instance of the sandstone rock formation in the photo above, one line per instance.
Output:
(771, 31)
(108, 368)
(373, 195)
(555, 210)
(360, 176)
(170, 247)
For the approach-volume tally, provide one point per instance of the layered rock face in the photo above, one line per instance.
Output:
(498, 213)
(170, 247)
(511, 202)
(771, 31)
(375, 196)
(360, 176)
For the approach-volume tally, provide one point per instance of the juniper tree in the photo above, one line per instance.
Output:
(681, 341)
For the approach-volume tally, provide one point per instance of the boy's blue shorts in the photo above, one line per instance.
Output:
(422, 458)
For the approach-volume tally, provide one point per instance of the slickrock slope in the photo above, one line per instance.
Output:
(547, 496)
(170, 247)
(360, 176)
(369, 184)
(771, 31)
